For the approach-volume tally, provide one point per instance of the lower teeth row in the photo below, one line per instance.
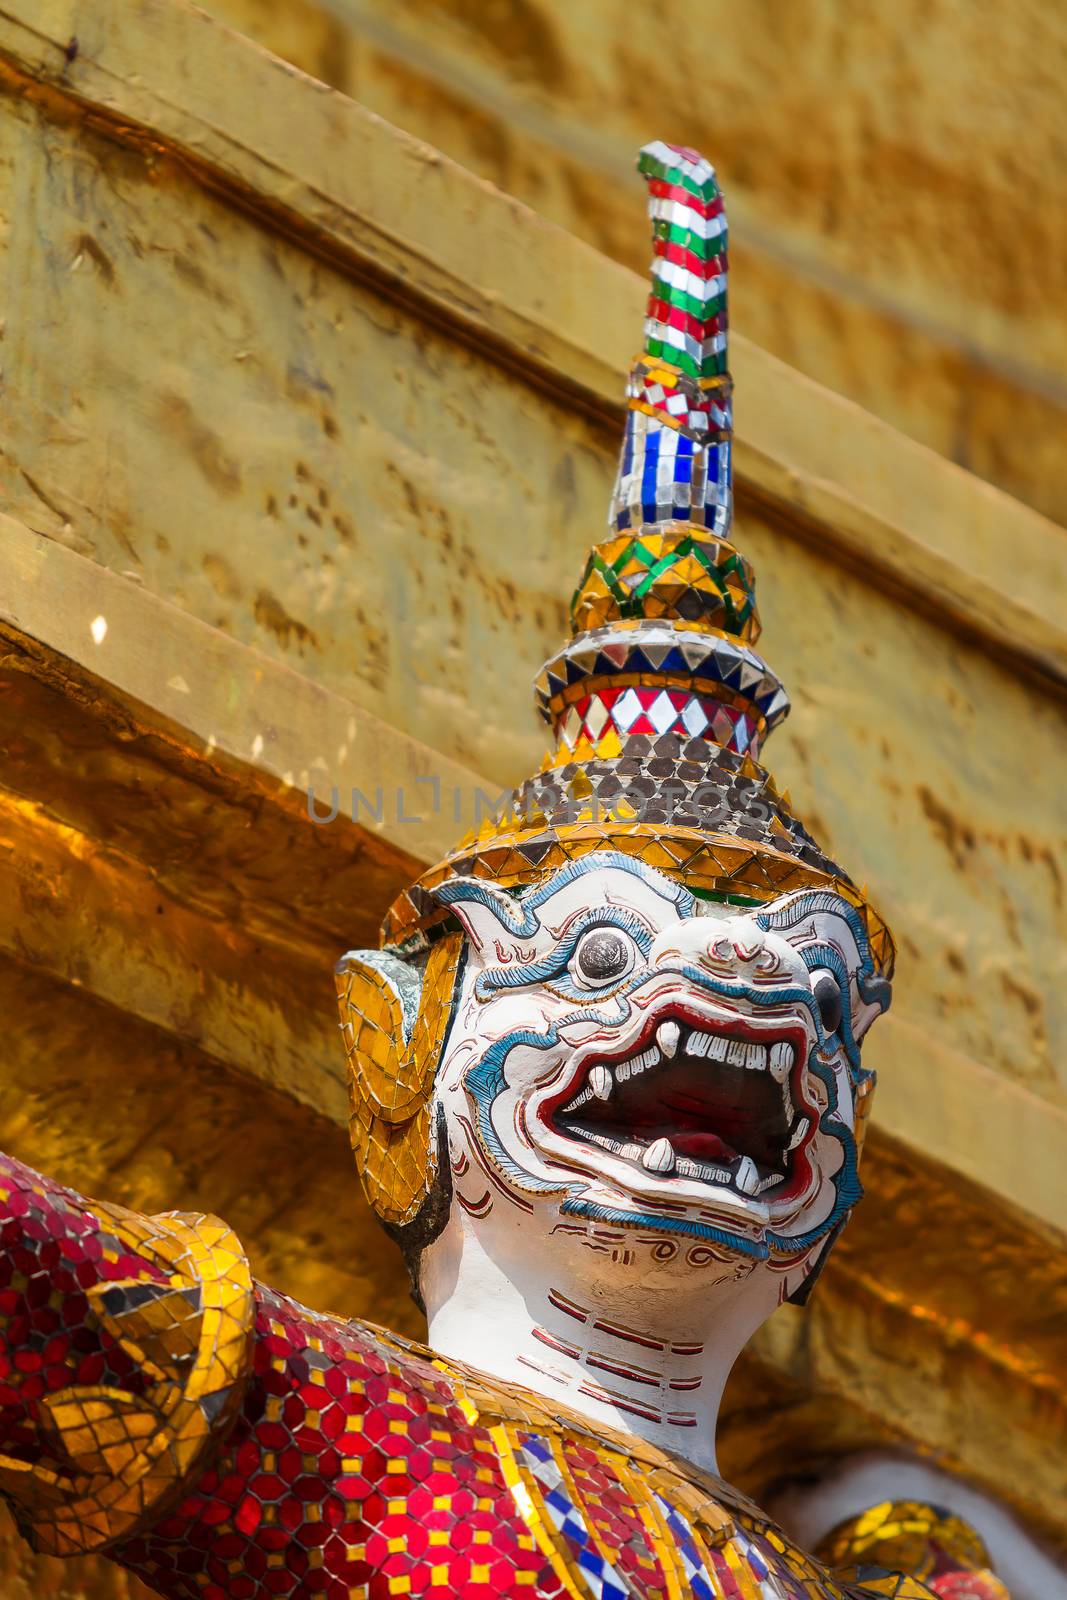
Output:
(663, 1161)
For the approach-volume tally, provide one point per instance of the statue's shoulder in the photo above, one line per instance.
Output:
(616, 1507)
(343, 1357)
(362, 1455)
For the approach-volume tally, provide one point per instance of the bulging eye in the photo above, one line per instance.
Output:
(827, 993)
(602, 956)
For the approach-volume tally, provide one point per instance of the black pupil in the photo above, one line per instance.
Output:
(828, 1000)
(604, 954)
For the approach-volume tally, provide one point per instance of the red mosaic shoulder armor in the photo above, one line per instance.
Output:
(225, 1443)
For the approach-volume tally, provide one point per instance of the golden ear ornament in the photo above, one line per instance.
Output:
(394, 1026)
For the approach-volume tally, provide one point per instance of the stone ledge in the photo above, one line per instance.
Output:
(155, 844)
(217, 701)
(310, 162)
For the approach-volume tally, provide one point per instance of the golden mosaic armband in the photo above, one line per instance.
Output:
(941, 1553)
(124, 1346)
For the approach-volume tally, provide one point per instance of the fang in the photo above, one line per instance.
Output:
(799, 1132)
(667, 1036)
(659, 1157)
(747, 1177)
(781, 1061)
(601, 1082)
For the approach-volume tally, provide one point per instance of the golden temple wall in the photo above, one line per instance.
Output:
(319, 425)
(894, 173)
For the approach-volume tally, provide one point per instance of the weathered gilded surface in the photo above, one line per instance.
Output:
(384, 209)
(450, 481)
(234, 470)
(325, 469)
(895, 174)
(961, 828)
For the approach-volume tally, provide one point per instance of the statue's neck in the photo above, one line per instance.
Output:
(650, 1364)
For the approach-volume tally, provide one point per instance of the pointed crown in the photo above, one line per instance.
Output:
(659, 704)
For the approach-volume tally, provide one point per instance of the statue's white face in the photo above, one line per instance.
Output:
(680, 1073)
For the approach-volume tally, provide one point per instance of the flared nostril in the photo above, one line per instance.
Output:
(733, 949)
(746, 952)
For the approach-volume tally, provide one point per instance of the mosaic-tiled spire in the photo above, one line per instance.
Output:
(658, 703)
(676, 454)
(668, 570)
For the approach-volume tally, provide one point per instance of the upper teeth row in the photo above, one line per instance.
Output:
(776, 1058)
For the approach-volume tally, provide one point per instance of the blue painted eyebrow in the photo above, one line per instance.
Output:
(873, 989)
(518, 916)
(555, 963)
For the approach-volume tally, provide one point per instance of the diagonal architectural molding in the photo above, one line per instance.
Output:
(378, 204)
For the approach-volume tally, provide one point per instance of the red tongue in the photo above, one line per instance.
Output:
(702, 1146)
(714, 1114)
(682, 1112)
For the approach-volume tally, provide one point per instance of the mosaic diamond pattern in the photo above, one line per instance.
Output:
(627, 709)
(637, 712)
(662, 653)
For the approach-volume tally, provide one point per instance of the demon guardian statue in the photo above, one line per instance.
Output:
(606, 1094)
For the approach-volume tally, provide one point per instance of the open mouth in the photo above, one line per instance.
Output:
(720, 1107)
